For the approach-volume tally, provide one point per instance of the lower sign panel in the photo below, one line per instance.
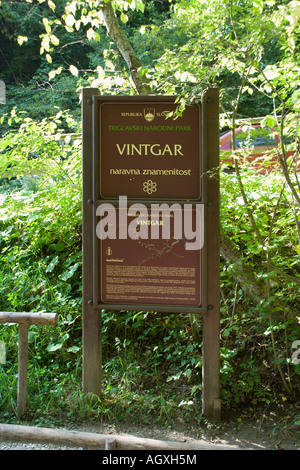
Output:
(139, 269)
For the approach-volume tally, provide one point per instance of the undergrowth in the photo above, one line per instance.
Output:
(152, 362)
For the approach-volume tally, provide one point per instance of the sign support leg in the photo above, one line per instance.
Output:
(91, 317)
(211, 402)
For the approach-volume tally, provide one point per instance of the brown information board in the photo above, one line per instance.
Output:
(144, 151)
(146, 154)
(150, 228)
(150, 271)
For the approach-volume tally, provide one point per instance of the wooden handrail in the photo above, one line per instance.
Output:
(29, 318)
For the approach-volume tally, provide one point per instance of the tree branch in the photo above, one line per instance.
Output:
(117, 34)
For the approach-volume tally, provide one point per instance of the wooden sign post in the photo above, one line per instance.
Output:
(151, 219)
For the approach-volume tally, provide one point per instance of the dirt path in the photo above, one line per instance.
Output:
(268, 431)
(235, 436)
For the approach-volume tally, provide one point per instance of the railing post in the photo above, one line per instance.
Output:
(24, 319)
(22, 369)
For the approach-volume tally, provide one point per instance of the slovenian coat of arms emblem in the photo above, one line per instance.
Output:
(149, 114)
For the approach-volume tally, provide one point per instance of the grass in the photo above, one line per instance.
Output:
(151, 361)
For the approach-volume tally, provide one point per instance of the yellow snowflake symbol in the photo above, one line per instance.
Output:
(149, 187)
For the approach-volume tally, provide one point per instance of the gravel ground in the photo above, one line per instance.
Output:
(31, 446)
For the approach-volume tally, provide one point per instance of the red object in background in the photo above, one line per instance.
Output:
(260, 143)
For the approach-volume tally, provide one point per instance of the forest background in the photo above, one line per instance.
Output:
(49, 50)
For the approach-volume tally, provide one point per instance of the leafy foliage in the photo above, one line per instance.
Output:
(147, 356)
(152, 361)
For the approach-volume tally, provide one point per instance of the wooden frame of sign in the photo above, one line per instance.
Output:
(150, 202)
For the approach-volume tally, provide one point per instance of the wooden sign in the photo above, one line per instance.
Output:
(145, 153)
(150, 201)
(149, 271)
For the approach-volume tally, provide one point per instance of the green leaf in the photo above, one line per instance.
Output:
(90, 34)
(55, 346)
(70, 20)
(269, 121)
(258, 6)
(69, 273)
(123, 17)
(54, 40)
(47, 26)
(52, 265)
(22, 39)
(51, 5)
(73, 349)
(53, 73)
(74, 70)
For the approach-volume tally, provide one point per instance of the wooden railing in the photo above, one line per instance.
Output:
(25, 319)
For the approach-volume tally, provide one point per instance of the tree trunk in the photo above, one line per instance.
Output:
(117, 34)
